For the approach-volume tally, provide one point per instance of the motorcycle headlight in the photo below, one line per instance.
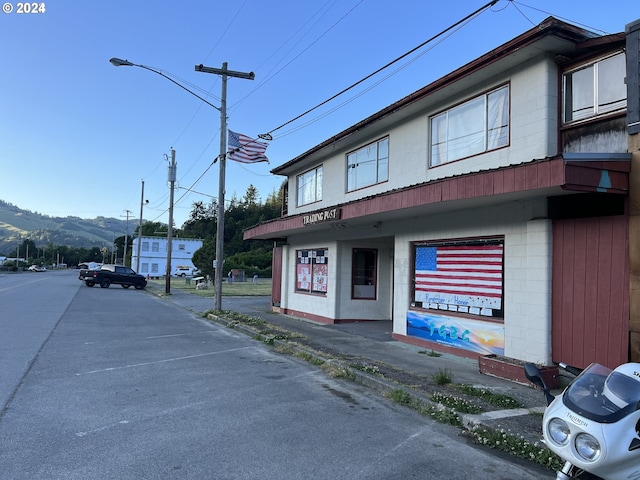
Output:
(588, 447)
(558, 431)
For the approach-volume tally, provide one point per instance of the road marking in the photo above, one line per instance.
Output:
(180, 334)
(106, 427)
(20, 285)
(153, 337)
(111, 369)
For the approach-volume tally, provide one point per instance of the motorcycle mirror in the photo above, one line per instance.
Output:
(534, 375)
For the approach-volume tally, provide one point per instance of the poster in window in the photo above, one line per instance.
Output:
(303, 280)
(320, 277)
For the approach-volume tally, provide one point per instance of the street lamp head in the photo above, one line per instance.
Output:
(118, 62)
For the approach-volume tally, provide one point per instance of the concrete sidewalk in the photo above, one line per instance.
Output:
(400, 365)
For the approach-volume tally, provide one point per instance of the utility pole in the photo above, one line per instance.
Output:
(140, 230)
(126, 235)
(172, 181)
(224, 73)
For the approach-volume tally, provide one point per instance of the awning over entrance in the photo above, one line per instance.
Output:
(562, 175)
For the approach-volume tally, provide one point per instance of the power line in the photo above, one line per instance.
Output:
(472, 15)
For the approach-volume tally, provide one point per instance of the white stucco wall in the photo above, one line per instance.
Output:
(533, 135)
(338, 302)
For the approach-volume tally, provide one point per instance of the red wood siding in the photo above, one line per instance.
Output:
(590, 304)
(542, 174)
(276, 277)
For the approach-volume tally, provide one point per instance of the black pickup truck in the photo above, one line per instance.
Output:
(115, 274)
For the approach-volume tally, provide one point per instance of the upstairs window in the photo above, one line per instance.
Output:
(475, 126)
(368, 165)
(310, 186)
(595, 89)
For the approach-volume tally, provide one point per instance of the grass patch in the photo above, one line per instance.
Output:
(518, 446)
(458, 404)
(440, 413)
(238, 289)
(495, 399)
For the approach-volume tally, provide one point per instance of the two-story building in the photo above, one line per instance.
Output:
(153, 254)
(486, 213)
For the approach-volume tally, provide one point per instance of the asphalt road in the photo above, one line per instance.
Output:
(118, 384)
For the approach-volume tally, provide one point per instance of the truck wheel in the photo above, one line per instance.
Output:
(89, 284)
(125, 286)
(105, 283)
(139, 286)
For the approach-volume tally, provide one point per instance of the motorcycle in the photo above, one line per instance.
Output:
(594, 424)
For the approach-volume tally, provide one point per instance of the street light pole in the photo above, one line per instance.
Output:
(224, 73)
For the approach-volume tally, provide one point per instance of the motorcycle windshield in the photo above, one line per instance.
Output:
(602, 395)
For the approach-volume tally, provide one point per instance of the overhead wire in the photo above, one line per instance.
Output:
(304, 50)
(513, 2)
(318, 13)
(364, 79)
(452, 28)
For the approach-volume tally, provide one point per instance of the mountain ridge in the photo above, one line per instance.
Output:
(17, 225)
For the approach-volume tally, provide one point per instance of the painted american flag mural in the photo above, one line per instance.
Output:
(464, 278)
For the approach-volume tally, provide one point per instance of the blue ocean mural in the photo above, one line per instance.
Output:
(484, 338)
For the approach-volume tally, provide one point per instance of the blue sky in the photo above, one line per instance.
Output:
(78, 135)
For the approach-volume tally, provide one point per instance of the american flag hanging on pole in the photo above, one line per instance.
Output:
(244, 149)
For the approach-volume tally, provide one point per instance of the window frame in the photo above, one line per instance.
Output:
(597, 110)
(316, 180)
(370, 274)
(317, 276)
(381, 163)
(475, 308)
(490, 139)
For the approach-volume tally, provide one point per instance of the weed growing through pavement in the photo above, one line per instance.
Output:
(443, 377)
(307, 357)
(337, 371)
(440, 413)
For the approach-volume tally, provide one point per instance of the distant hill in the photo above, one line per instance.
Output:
(17, 225)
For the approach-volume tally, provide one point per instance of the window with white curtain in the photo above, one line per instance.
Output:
(310, 186)
(593, 89)
(475, 126)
